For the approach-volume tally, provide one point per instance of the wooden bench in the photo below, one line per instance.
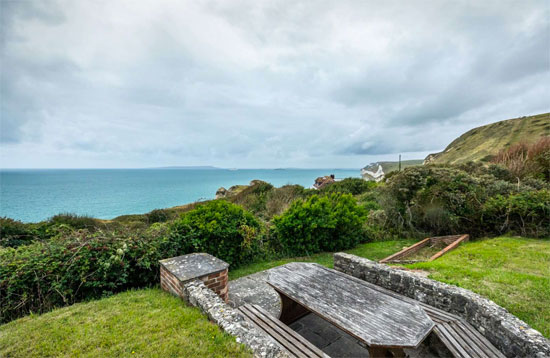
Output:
(459, 337)
(294, 343)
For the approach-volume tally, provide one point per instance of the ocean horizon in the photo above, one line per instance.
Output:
(33, 195)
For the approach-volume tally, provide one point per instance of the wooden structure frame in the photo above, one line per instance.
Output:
(452, 242)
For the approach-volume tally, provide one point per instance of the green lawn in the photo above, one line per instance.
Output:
(141, 323)
(371, 250)
(513, 272)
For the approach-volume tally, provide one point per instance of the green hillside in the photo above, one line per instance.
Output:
(482, 143)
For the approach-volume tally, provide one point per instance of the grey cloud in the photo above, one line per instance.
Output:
(247, 83)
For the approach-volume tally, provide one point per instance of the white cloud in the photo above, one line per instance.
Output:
(261, 84)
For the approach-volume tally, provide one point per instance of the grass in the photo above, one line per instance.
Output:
(482, 142)
(513, 272)
(372, 250)
(141, 323)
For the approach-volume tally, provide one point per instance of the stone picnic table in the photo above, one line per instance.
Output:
(384, 323)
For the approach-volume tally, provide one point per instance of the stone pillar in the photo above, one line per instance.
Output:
(176, 271)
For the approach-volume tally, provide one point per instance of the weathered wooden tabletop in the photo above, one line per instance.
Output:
(373, 317)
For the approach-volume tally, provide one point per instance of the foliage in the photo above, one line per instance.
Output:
(141, 323)
(157, 216)
(79, 265)
(526, 160)
(440, 200)
(219, 228)
(265, 201)
(75, 221)
(14, 233)
(527, 213)
(353, 186)
(320, 223)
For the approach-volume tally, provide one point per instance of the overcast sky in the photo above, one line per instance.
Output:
(261, 83)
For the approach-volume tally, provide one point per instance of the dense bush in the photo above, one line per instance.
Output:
(75, 221)
(220, 228)
(320, 223)
(353, 186)
(79, 265)
(526, 213)
(14, 233)
(440, 200)
(266, 201)
(75, 265)
(525, 160)
(157, 216)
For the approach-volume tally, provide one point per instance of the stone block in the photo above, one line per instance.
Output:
(176, 271)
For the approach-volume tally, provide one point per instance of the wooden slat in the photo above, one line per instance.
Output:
(369, 315)
(303, 344)
(288, 338)
(285, 343)
(454, 346)
(406, 251)
(466, 343)
(479, 340)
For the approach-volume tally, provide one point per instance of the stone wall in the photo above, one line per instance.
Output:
(231, 321)
(509, 334)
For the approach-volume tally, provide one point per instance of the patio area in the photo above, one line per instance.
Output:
(330, 339)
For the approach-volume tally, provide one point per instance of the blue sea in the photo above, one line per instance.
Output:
(37, 194)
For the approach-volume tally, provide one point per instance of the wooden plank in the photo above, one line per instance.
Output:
(480, 341)
(369, 315)
(467, 344)
(452, 246)
(308, 347)
(285, 342)
(455, 347)
(406, 251)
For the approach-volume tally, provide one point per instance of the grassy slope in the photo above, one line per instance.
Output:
(142, 323)
(478, 143)
(513, 272)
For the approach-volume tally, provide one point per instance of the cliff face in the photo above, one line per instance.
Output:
(482, 143)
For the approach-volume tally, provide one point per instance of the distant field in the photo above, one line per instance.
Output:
(483, 142)
(392, 166)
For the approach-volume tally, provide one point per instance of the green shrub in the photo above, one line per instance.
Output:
(75, 221)
(79, 265)
(14, 233)
(353, 186)
(157, 216)
(219, 228)
(320, 223)
(526, 213)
